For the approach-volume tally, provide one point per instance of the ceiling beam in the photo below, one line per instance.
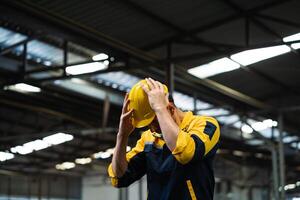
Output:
(279, 20)
(168, 24)
(118, 45)
(215, 24)
(44, 110)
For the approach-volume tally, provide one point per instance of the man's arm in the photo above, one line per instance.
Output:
(134, 166)
(168, 127)
(119, 162)
(201, 140)
(126, 167)
(159, 102)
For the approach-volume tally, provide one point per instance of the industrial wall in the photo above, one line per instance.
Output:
(39, 187)
(99, 188)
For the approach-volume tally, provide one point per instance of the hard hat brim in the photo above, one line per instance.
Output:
(142, 123)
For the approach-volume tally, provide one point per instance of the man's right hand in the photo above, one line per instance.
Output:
(125, 126)
(119, 162)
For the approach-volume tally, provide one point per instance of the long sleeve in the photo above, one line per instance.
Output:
(136, 166)
(199, 140)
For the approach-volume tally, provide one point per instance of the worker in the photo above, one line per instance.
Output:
(176, 152)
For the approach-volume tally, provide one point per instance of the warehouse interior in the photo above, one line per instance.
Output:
(65, 67)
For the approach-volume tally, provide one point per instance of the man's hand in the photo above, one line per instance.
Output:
(119, 162)
(125, 126)
(158, 100)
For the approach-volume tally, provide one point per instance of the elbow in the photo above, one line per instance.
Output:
(117, 183)
(114, 182)
(171, 146)
(183, 159)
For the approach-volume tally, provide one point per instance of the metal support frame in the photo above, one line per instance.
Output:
(140, 182)
(275, 174)
(10, 48)
(278, 162)
(247, 31)
(170, 71)
(281, 157)
(139, 54)
(65, 57)
(279, 20)
(24, 61)
(215, 24)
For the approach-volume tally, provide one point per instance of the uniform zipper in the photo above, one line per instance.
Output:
(191, 190)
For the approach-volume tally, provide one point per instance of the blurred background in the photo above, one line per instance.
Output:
(65, 67)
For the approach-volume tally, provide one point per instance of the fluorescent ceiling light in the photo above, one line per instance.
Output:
(110, 150)
(295, 145)
(214, 112)
(36, 145)
(268, 123)
(102, 155)
(213, 68)
(238, 153)
(289, 139)
(23, 87)
(259, 126)
(259, 155)
(83, 161)
(5, 156)
(255, 142)
(85, 68)
(229, 119)
(58, 138)
(108, 153)
(47, 63)
(21, 150)
(296, 45)
(65, 165)
(292, 38)
(106, 62)
(246, 129)
(46, 142)
(101, 56)
(290, 187)
(249, 57)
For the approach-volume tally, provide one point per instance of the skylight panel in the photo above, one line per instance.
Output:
(23, 87)
(213, 68)
(292, 38)
(85, 68)
(296, 45)
(249, 57)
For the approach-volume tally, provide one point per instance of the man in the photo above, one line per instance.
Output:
(178, 161)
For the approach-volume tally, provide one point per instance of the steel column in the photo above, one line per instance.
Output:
(141, 189)
(281, 157)
(195, 103)
(65, 57)
(170, 71)
(275, 172)
(24, 62)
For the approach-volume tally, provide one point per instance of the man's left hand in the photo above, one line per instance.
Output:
(157, 97)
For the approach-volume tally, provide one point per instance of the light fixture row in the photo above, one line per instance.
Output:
(244, 58)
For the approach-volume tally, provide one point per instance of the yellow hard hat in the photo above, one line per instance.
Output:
(142, 111)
